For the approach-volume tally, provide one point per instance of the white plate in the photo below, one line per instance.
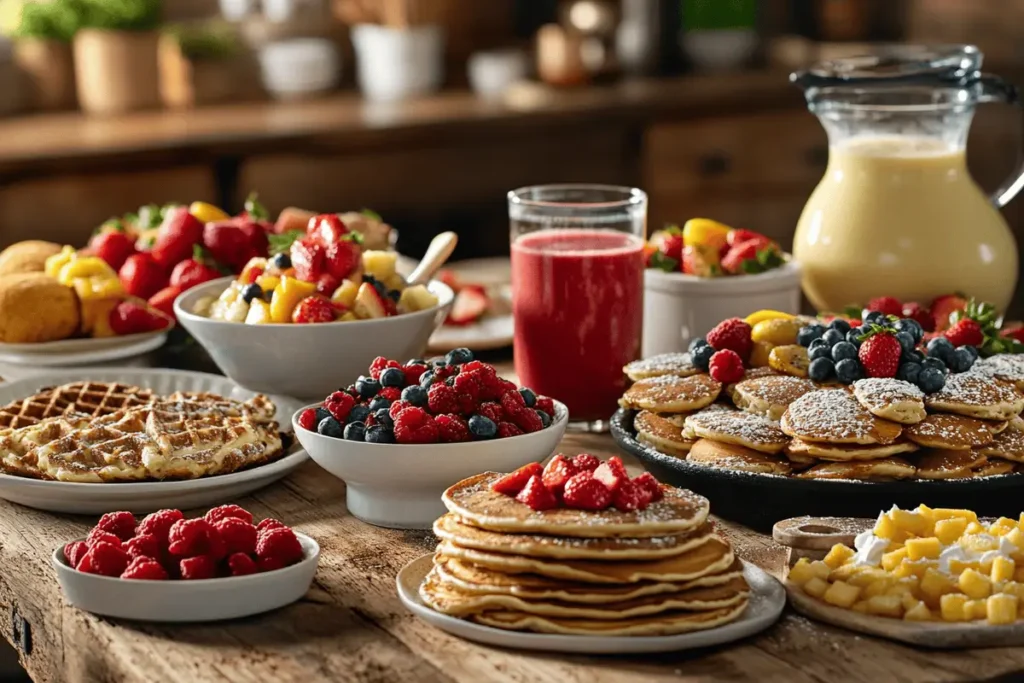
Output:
(76, 346)
(188, 601)
(139, 344)
(767, 599)
(92, 499)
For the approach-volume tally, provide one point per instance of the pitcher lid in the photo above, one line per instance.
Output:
(938, 65)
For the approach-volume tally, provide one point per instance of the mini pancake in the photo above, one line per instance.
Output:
(770, 395)
(799, 461)
(1008, 367)
(938, 464)
(891, 399)
(677, 364)
(743, 429)
(751, 373)
(865, 470)
(994, 468)
(675, 451)
(472, 499)
(730, 456)
(949, 432)
(662, 433)
(975, 395)
(835, 416)
(844, 453)
(671, 394)
(1008, 444)
(998, 427)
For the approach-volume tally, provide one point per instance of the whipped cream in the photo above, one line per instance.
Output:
(870, 549)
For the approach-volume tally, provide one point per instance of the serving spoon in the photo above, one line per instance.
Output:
(438, 253)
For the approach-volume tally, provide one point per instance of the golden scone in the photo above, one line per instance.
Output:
(36, 308)
(26, 257)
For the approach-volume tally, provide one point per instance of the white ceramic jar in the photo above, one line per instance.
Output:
(394, 64)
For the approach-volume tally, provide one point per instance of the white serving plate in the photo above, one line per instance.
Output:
(188, 601)
(68, 352)
(93, 499)
(767, 599)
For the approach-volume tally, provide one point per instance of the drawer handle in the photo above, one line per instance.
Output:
(715, 164)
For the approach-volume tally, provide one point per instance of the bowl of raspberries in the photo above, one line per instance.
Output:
(404, 432)
(168, 568)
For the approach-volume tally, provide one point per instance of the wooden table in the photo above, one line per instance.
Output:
(352, 627)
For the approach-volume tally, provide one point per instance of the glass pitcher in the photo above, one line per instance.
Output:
(897, 213)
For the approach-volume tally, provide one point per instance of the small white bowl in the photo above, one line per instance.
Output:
(400, 486)
(188, 601)
(304, 66)
(307, 361)
(679, 307)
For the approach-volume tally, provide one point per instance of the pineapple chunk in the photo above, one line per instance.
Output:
(903, 587)
(838, 555)
(885, 606)
(1016, 537)
(892, 559)
(345, 294)
(979, 543)
(380, 264)
(975, 610)
(918, 612)
(816, 587)
(913, 523)
(958, 567)
(1002, 609)
(952, 607)
(1002, 569)
(879, 587)
(974, 584)
(860, 606)
(396, 281)
(975, 528)
(841, 594)
(1013, 588)
(416, 298)
(914, 568)
(259, 313)
(865, 578)
(287, 296)
(268, 283)
(1018, 574)
(949, 530)
(935, 584)
(348, 316)
(909, 601)
(801, 572)
(886, 528)
(923, 548)
(820, 569)
(1002, 526)
(204, 306)
(951, 513)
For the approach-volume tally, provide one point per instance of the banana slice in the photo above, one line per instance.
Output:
(791, 359)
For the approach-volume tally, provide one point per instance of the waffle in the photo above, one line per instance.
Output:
(85, 398)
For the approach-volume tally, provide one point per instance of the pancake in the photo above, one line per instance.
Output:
(663, 433)
(1008, 444)
(770, 395)
(891, 399)
(711, 557)
(1008, 367)
(731, 456)
(994, 468)
(949, 432)
(743, 429)
(866, 470)
(843, 453)
(677, 364)
(671, 394)
(835, 416)
(475, 503)
(998, 427)
(975, 395)
(664, 624)
(937, 464)
(750, 373)
(680, 451)
(449, 528)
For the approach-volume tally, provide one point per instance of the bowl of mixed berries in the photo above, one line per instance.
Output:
(403, 433)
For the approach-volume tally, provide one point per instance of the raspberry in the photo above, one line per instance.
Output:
(629, 497)
(493, 411)
(121, 524)
(105, 559)
(144, 569)
(922, 315)
(194, 537)
(479, 366)
(585, 462)
(452, 429)
(653, 487)
(506, 386)
(380, 364)
(307, 419)
(278, 548)
(583, 492)
(469, 390)
(513, 482)
(390, 393)
(732, 334)
(143, 546)
(546, 405)
(889, 305)
(223, 511)
(441, 374)
(413, 373)
(726, 366)
(268, 524)
(339, 404)
(512, 402)
(507, 429)
(74, 551)
(159, 523)
(528, 420)
(199, 567)
(238, 535)
(442, 399)
(414, 425)
(241, 564)
(536, 495)
(98, 535)
(397, 407)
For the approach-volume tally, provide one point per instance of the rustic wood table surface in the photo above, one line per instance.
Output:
(351, 625)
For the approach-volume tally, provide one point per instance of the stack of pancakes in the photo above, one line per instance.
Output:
(877, 429)
(659, 571)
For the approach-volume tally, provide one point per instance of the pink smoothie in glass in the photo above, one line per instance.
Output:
(578, 303)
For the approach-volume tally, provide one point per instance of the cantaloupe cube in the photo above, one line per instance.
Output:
(1002, 609)
(1002, 569)
(838, 555)
(923, 548)
(974, 584)
(918, 612)
(885, 606)
(816, 587)
(892, 559)
(949, 530)
(841, 594)
(952, 607)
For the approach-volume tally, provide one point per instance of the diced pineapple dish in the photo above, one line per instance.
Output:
(940, 565)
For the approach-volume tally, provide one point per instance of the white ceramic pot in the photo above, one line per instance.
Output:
(492, 72)
(300, 67)
(679, 307)
(394, 64)
(400, 486)
(719, 49)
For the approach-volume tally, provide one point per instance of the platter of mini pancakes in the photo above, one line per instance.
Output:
(599, 582)
(773, 446)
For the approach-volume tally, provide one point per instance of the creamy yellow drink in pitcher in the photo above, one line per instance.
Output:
(897, 212)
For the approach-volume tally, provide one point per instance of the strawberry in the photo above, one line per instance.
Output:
(629, 496)
(726, 366)
(130, 317)
(751, 257)
(585, 462)
(922, 316)
(229, 244)
(114, 247)
(256, 232)
(965, 332)
(470, 304)
(944, 307)
(880, 353)
(178, 233)
(584, 492)
(326, 228)
(307, 259)
(557, 472)
(536, 496)
(732, 334)
(739, 254)
(741, 236)
(1015, 333)
(886, 304)
(327, 284)
(514, 482)
(672, 246)
(652, 485)
(192, 272)
(342, 257)
(611, 473)
(163, 300)
(142, 276)
(313, 309)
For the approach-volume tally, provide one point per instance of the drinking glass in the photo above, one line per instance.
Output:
(577, 293)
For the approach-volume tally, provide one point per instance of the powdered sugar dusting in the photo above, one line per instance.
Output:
(749, 427)
(1005, 366)
(879, 390)
(953, 431)
(663, 363)
(974, 389)
(828, 413)
(778, 390)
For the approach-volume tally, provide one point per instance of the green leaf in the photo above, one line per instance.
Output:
(150, 216)
(109, 224)
(672, 229)
(853, 312)
(372, 215)
(255, 209)
(354, 236)
(280, 244)
(662, 262)
(752, 266)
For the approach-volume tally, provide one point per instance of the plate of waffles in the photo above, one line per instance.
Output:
(88, 441)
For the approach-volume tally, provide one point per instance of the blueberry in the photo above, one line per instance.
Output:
(544, 418)
(853, 336)
(931, 380)
(383, 418)
(358, 414)
(912, 327)
(367, 387)
(839, 324)
(415, 395)
(379, 434)
(330, 427)
(961, 360)
(369, 278)
(439, 363)
(701, 358)
(458, 356)
(822, 351)
(250, 292)
(940, 347)
(833, 337)
(696, 343)
(282, 261)
(909, 372)
(321, 414)
(394, 295)
(821, 369)
(379, 403)
(935, 364)
(415, 361)
(843, 350)
(973, 350)
(426, 379)
(872, 317)
(529, 398)
(482, 427)
(914, 356)
(906, 341)
(381, 288)
(809, 333)
(355, 431)
(392, 377)
(848, 371)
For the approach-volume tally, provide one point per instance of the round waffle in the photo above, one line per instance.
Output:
(1005, 366)
(744, 429)
(677, 364)
(891, 399)
(671, 394)
(882, 469)
(938, 464)
(84, 398)
(739, 458)
(835, 416)
(975, 395)
(1007, 444)
(472, 499)
(770, 395)
(808, 449)
(949, 432)
(662, 432)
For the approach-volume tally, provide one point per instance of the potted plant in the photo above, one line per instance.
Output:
(719, 35)
(204, 63)
(42, 51)
(116, 67)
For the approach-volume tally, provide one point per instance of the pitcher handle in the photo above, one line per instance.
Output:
(995, 89)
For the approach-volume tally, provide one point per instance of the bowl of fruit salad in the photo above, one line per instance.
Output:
(404, 432)
(707, 271)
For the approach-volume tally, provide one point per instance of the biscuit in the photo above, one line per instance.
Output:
(27, 257)
(36, 308)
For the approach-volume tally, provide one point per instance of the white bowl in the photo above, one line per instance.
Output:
(303, 66)
(307, 361)
(492, 72)
(393, 64)
(679, 307)
(400, 486)
(185, 601)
